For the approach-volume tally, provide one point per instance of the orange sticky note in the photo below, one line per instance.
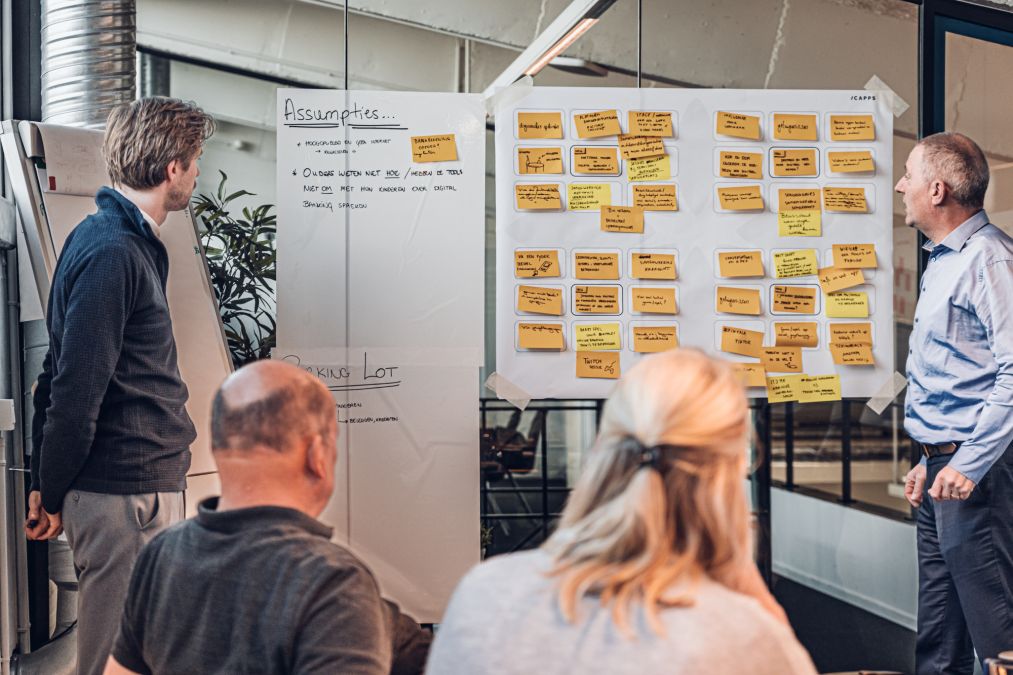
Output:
(784, 388)
(740, 164)
(539, 125)
(622, 219)
(536, 263)
(794, 299)
(734, 300)
(792, 162)
(538, 197)
(539, 160)
(597, 124)
(540, 336)
(745, 198)
(596, 299)
(852, 333)
(795, 263)
(848, 305)
(859, 161)
(751, 374)
(782, 359)
(646, 123)
(740, 264)
(593, 160)
(442, 148)
(851, 200)
(735, 340)
(852, 128)
(655, 197)
(540, 300)
(654, 300)
(595, 336)
(817, 388)
(588, 196)
(647, 339)
(852, 354)
(805, 199)
(794, 127)
(596, 265)
(799, 223)
(796, 334)
(598, 364)
(835, 279)
(652, 266)
(638, 147)
(738, 125)
(855, 255)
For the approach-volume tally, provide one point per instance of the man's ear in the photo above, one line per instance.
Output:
(316, 457)
(173, 169)
(937, 192)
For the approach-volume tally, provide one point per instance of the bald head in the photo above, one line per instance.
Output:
(271, 405)
(957, 161)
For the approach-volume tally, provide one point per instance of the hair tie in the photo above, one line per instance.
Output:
(647, 456)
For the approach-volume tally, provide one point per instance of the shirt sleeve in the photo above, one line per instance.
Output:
(410, 642)
(343, 628)
(993, 433)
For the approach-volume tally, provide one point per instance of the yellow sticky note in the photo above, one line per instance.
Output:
(745, 198)
(799, 223)
(442, 148)
(796, 334)
(650, 169)
(596, 299)
(852, 333)
(647, 123)
(598, 364)
(540, 160)
(807, 199)
(794, 299)
(596, 265)
(852, 354)
(784, 388)
(740, 264)
(588, 196)
(852, 128)
(655, 197)
(800, 162)
(782, 359)
(817, 388)
(851, 200)
(750, 374)
(733, 300)
(638, 147)
(738, 125)
(794, 127)
(654, 300)
(539, 197)
(540, 300)
(652, 266)
(795, 263)
(848, 305)
(740, 164)
(539, 125)
(592, 336)
(593, 160)
(859, 161)
(834, 279)
(647, 339)
(540, 336)
(855, 255)
(597, 124)
(735, 340)
(622, 219)
(536, 263)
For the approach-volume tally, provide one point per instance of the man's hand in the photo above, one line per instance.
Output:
(914, 484)
(40, 525)
(951, 484)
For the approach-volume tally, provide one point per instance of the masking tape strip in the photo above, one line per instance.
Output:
(509, 95)
(887, 393)
(897, 104)
(507, 390)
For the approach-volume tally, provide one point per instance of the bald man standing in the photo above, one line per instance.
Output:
(253, 584)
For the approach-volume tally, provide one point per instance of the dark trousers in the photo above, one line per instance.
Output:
(965, 573)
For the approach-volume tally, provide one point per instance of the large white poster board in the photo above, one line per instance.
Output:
(380, 294)
(790, 148)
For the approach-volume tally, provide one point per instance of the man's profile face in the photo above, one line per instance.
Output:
(183, 184)
(914, 188)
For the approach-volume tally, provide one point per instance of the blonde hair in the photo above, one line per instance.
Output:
(645, 527)
(143, 137)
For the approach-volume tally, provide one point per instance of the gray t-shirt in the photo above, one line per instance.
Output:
(504, 618)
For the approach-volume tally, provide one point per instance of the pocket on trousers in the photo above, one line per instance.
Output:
(146, 509)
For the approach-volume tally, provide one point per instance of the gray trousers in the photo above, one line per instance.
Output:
(105, 533)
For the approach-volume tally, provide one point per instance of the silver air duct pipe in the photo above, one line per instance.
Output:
(89, 49)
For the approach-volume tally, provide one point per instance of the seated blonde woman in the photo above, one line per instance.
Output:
(650, 570)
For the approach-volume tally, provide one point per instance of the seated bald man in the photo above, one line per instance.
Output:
(254, 584)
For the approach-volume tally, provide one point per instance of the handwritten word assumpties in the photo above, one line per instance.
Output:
(296, 116)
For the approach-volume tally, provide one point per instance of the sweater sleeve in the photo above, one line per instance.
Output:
(40, 403)
(99, 303)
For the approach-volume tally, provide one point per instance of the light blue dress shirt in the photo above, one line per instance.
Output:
(960, 365)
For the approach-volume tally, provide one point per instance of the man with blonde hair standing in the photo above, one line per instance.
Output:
(960, 395)
(111, 434)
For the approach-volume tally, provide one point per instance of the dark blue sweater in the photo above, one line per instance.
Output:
(109, 405)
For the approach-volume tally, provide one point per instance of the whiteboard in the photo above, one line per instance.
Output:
(694, 233)
(380, 294)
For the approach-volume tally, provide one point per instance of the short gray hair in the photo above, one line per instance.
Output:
(957, 161)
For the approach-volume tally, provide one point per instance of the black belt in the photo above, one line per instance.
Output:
(931, 451)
